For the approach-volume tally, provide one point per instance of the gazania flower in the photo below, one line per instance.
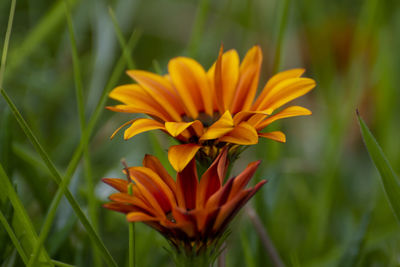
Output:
(207, 110)
(191, 213)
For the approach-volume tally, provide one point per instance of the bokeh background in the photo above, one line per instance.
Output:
(324, 204)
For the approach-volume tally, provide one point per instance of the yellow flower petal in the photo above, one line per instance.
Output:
(288, 112)
(142, 125)
(160, 90)
(138, 109)
(180, 155)
(219, 128)
(242, 134)
(176, 128)
(286, 91)
(248, 82)
(277, 136)
(277, 78)
(187, 77)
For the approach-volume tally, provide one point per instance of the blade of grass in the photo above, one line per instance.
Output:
(13, 238)
(61, 264)
(57, 178)
(22, 223)
(6, 42)
(125, 50)
(198, 27)
(92, 202)
(78, 151)
(282, 26)
(44, 29)
(389, 179)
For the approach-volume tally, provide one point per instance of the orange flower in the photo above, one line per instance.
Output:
(208, 110)
(191, 213)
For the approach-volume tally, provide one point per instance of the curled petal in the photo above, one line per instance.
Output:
(180, 155)
(219, 128)
(277, 136)
(142, 125)
(243, 134)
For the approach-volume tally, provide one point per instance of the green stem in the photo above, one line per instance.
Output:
(6, 42)
(282, 24)
(13, 238)
(198, 27)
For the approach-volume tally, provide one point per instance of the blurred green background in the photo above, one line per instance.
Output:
(323, 205)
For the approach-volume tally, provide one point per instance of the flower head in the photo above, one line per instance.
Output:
(191, 213)
(208, 110)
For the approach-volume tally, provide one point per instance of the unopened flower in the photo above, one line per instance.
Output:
(208, 110)
(191, 213)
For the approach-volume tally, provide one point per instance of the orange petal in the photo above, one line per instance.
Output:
(134, 96)
(243, 134)
(212, 179)
(288, 112)
(155, 185)
(240, 181)
(142, 125)
(160, 90)
(154, 112)
(191, 82)
(132, 200)
(120, 207)
(277, 78)
(277, 136)
(120, 184)
(155, 164)
(286, 91)
(246, 115)
(248, 82)
(138, 216)
(120, 127)
(176, 128)
(219, 128)
(183, 78)
(180, 155)
(219, 97)
(187, 182)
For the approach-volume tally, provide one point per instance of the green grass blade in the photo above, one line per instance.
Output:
(85, 137)
(125, 50)
(57, 178)
(198, 27)
(37, 35)
(13, 238)
(6, 42)
(22, 223)
(389, 179)
(281, 30)
(92, 202)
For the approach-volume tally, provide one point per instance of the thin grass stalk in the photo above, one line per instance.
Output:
(198, 27)
(13, 238)
(264, 236)
(282, 27)
(44, 28)
(7, 42)
(128, 57)
(92, 202)
(61, 264)
(78, 151)
(21, 217)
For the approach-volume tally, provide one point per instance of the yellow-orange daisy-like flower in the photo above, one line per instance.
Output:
(191, 213)
(209, 109)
